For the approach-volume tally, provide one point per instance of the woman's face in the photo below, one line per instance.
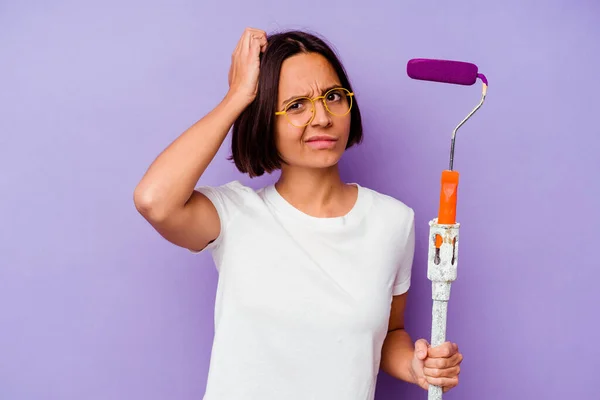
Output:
(321, 143)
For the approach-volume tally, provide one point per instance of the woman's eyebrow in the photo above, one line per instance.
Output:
(335, 85)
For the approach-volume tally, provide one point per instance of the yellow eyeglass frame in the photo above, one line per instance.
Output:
(322, 98)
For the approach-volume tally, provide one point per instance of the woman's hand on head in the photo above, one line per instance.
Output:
(245, 64)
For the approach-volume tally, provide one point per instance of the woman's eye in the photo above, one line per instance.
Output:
(295, 107)
(335, 96)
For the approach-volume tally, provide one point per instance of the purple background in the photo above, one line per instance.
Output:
(95, 305)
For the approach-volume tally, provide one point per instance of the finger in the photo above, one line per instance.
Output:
(240, 42)
(243, 44)
(258, 41)
(256, 46)
(262, 40)
(444, 350)
(447, 383)
(246, 40)
(259, 36)
(452, 361)
(446, 388)
(451, 372)
(443, 362)
(258, 31)
(421, 347)
(252, 33)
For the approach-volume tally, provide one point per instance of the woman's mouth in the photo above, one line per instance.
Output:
(321, 142)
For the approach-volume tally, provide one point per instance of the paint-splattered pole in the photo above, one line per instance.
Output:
(441, 271)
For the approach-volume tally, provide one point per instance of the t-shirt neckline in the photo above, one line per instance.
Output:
(355, 213)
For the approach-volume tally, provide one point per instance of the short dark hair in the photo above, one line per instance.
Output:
(253, 148)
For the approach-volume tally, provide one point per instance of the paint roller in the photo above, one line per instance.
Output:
(444, 230)
(458, 73)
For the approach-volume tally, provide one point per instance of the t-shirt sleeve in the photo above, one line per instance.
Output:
(228, 200)
(403, 275)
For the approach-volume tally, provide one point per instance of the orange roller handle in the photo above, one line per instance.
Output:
(448, 198)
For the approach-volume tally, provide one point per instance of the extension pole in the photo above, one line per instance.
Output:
(441, 271)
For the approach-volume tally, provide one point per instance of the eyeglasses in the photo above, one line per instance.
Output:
(301, 111)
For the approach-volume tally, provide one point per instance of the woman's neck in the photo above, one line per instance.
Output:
(317, 192)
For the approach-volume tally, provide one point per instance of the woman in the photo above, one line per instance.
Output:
(313, 272)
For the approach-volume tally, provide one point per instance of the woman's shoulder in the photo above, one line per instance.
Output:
(389, 205)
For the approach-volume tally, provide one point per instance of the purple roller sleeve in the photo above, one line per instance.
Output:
(445, 71)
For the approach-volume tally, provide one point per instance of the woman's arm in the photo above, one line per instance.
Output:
(398, 348)
(165, 196)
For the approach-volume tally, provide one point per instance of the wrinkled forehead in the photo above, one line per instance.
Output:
(306, 75)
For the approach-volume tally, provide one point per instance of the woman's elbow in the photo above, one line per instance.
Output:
(147, 204)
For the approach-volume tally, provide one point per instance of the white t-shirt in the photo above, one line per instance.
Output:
(303, 303)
